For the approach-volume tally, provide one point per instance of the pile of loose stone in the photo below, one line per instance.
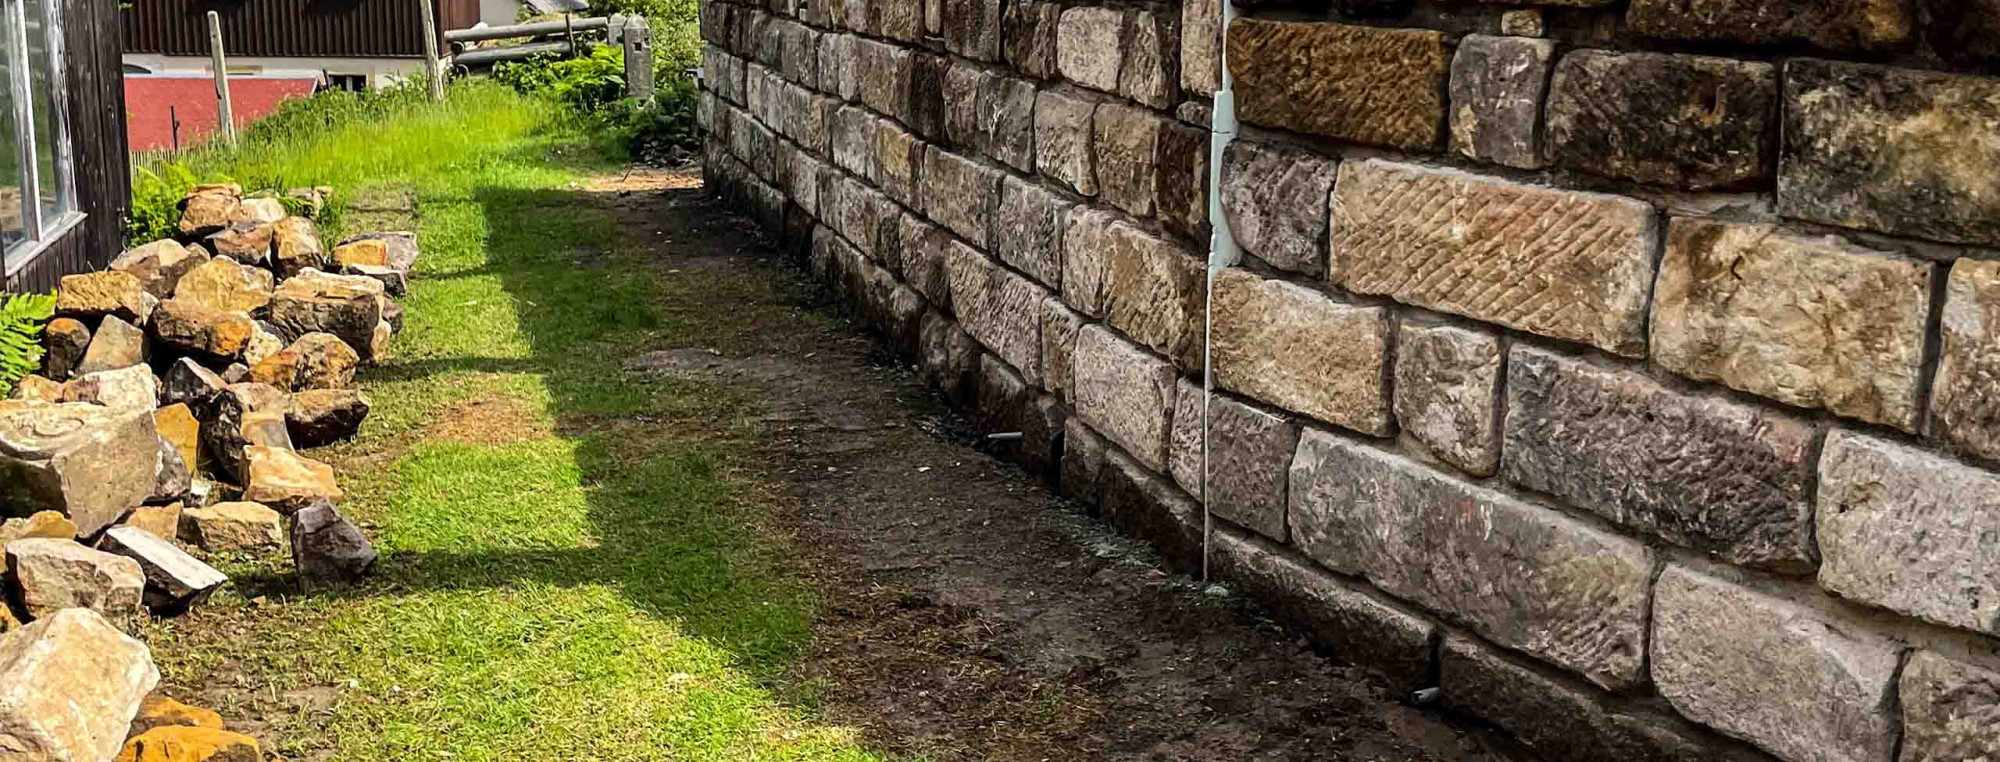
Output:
(179, 387)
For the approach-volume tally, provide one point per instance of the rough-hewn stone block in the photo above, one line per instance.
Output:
(1148, 287)
(1715, 476)
(805, 117)
(898, 157)
(1293, 347)
(1965, 402)
(1686, 121)
(1249, 458)
(1951, 710)
(1565, 264)
(1090, 46)
(1965, 32)
(851, 139)
(1276, 201)
(801, 54)
(1895, 150)
(805, 179)
(1125, 393)
(1150, 72)
(1497, 85)
(724, 75)
(1127, 142)
(1525, 22)
(959, 194)
(962, 83)
(927, 95)
(1448, 393)
(1830, 24)
(1365, 84)
(948, 356)
(1062, 140)
(1361, 628)
(862, 210)
(1027, 229)
(1006, 121)
(1060, 325)
(838, 74)
(1201, 46)
(1082, 462)
(1525, 577)
(897, 19)
(925, 259)
(1810, 322)
(972, 28)
(1029, 37)
(764, 91)
(1000, 309)
(1910, 531)
(1182, 163)
(1771, 672)
(886, 73)
(1147, 506)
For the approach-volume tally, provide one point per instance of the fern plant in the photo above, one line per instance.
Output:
(22, 318)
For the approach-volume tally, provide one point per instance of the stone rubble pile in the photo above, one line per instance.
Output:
(179, 387)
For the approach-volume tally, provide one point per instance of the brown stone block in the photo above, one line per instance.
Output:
(1965, 403)
(1497, 84)
(1686, 121)
(1126, 141)
(1289, 346)
(1830, 24)
(1364, 84)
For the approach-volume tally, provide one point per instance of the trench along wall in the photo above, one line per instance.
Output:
(1631, 372)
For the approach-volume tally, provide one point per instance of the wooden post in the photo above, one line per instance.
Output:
(638, 59)
(225, 114)
(431, 65)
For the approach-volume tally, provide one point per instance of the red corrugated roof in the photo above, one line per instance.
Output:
(152, 101)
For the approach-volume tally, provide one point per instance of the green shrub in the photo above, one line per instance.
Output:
(592, 87)
(157, 191)
(660, 131)
(22, 317)
(587, 84)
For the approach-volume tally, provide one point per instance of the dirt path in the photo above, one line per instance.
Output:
(967, 613)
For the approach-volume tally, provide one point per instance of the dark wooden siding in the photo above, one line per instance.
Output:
(299, 28)
(97, 134)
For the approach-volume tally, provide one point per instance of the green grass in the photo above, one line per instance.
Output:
(575, 578)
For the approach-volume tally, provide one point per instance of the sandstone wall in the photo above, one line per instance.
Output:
(1629, 370)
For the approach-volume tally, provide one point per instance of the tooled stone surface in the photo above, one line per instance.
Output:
(1249, 457)
(1147, 287)
(1950, 710)
(1292, 347)
(1365, 84)
(926, 263)
(1006, 121)
(962, 83)
(805, 117)
(1772, 672)
(1686, 121)
(1276, 202)
(971, 27)
(1062, 140)
(1201, 46)
(898, 156)
(1564, 264)
(1060, 326)
(1127, 140)
(1029, 37)
(1182, 163)
(1910, 531)
(1125, 393)
(1809, 322)
(886, 77)
(1497, 85)
(1366, 630)
(999, 308)
(1895, 150)
(1447, 393)
(1719, 477)
(1523, 576)
(959, 193)
(1965, 402)
(1090, 47)
(1150, 72)
(1829, 24)
(1027, 229)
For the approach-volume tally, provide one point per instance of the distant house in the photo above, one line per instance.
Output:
(349, 44)
(170, 111)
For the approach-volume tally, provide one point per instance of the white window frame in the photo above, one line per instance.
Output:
(40, 234)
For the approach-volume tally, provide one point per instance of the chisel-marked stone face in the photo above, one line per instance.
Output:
(1364, 84)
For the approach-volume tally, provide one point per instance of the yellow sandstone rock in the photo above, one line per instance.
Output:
(180, 743)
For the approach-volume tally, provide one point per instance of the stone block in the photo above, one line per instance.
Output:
(1809, 322)
(886, 72)
(1027, 229)
(765, 91)
(1249, 458)
(999, 308)
(191, 328)
(52, 574)
(899, 158)
(72, 684)
(1062, 140)
(133, 388)
(224, 285)
(1145, 505)
(1965, 401)
(805, 117)
(1276, 201)
(1965, 32)
(327, 548)
(1090, 46)
(88, 462)
(838, 74)
(1147, 287)
(1182, 164)
(1447, 393)
(1201, 47)
(175, 580)
(1526, 22)
(1950, 710)
(348, 306)
(1126, 141)
(65, 341)
(1360, 627)
(1006, 121)
(1060, 327)
(1844, 25)
(927, 96)
(1523, 576)
(800, 54)
(1290, 346)
(89, 296)
(803, 181)
(962, 82)
(1895, 150)
(901, 20)
(1126, 393)
(852, 140)
(1150, 73)
(1082, 462)
(230, 527)
(1685, 121)
(320, 417)
(972, 28)
(1909, 531)
(1001, 396)
(187, 381)
(861, 211)
(926, 264)
(1029, 34)
(1497, 84)
(1771, 672)
(1358, 83)
(1564, 264)
(159, 265)
(284, 480)
(116, 345)
(948, 357)
(959, 194)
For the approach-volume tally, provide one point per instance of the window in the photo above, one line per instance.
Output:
(352, 83)
(37, 197)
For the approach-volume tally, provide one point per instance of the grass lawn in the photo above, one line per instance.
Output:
(571, 568)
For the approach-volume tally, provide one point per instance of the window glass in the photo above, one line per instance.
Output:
(11, 229)
(51, 149)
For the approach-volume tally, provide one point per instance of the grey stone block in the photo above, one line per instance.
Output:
(1090, 46)
(1447, 393)
(1497, 84)
(1029, 37)
(1126, 393)
(972, 28)
(1060, 327)
(1951, 710)
(1145, 505)
(1082, 462)
(1276, 201)
(1027, 230)
(1965, 402)
(1249, 458)
(1006, 121)
(999, 308)
(1126, 141)
(1062, 140)
(1361, 627)
(959, 194)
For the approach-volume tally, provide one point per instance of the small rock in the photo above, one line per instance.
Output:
(177, 743)
(257, 211)
(36, 388)
(179, 428)
(72, 683)
(188, 382)
(295, 247)
(42, 524)
(328, 548)
(393, 280)
(172, 474)
(192, 327)
(87, 461)
(204, 212)
(401, 248)
(174, 579)
(265, 341)
(372, 252)
(316, 361)
(312, 199)
(132, 388)
(158, 711)
(392, 315)
(109, 292)
(163, 521)
(320, 417)
(236, 373)
(236, 419)
(54, 574)
(285, 480)
(65, 340)
(159, 265)
(234, 526)
(224, 285)
(118, 344)
(249, 244)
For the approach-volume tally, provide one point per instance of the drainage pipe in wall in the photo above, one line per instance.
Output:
(1222, 254)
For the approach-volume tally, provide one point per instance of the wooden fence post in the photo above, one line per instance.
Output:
(431, 63)
(225, 114)
(638, 59)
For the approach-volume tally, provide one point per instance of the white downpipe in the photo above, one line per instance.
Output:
(1222, 253)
